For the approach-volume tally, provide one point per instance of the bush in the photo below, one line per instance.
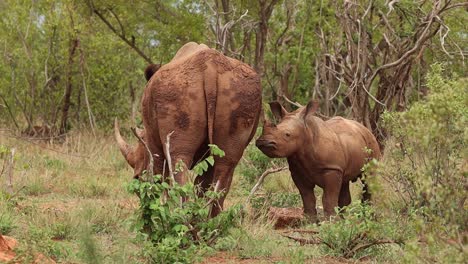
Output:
(362, 232)
(174, 231)
(426, 162)
(7, 219)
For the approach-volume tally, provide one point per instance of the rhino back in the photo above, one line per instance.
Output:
(202, 87)
(355, 139)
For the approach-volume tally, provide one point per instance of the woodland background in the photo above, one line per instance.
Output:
(68, 68)
(74, 64)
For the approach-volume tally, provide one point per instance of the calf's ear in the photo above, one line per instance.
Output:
(278, 110)
(311, 108)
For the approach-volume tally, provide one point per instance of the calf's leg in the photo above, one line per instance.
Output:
(306, 190)
(331, 192)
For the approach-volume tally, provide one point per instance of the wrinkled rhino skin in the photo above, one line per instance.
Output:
(328, 154)
(204, 97)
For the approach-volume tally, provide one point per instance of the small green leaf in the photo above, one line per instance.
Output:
(210, 160)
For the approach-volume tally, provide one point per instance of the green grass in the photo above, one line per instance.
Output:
(71, 204)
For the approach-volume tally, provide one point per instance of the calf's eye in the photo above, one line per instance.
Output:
(288, 134)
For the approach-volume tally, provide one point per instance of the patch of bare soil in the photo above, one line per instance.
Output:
(225, 257)
(6, 248)
(286, 217)
(7, 253)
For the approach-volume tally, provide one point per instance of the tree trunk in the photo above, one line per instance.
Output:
(133, 104)
(265, 10)
(74, 42)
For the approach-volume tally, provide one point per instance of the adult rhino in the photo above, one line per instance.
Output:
(205, 98)
(329, 154)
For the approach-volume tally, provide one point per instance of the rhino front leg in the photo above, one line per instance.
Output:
(306, 189)
(309, 202)
(331, 192)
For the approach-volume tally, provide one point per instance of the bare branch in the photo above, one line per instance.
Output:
(168, 157)
(262, 178)
(291, 102)
(360, 247)
(10, 171)
(150, 155)
(121, 35)
(304, 241)
(122, 30)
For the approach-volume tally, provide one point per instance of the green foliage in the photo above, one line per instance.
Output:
(361, 232)
(203, 165)
(7, 219)
(276, 199)
(176, 229)
(175, 220)
(427, 158)
(89, 250)
(40, 240)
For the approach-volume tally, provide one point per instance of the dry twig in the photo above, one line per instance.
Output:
(11, 167)
(149, 170)
(168, 157)
(262, 178)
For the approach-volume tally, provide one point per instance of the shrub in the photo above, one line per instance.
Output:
(427, 161)
(361, 232)
(7, 219)
(173, 230)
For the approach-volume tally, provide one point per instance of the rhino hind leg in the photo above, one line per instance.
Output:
(345, 195)
(223, 172)
(204, 181)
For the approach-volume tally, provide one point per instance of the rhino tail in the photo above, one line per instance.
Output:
(210, 86)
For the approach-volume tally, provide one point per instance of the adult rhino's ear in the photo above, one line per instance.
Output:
(311, 108)
(150, 70)
(278, 110)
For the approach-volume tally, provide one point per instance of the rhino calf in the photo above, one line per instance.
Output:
(328, 154)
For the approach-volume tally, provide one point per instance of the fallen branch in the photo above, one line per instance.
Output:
(304, 241)
(307, 231)
(262, 178)
(357, 248)
(348, 254)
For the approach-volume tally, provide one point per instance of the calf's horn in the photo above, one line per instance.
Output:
(125, 148)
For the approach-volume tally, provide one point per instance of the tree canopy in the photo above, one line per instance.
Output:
(69, 64)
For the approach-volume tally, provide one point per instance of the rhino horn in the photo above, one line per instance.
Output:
(125, 148)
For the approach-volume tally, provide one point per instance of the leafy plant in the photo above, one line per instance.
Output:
(360, 232)
(426, 162)
(7, 219)
(179, 225)
(203, 165)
